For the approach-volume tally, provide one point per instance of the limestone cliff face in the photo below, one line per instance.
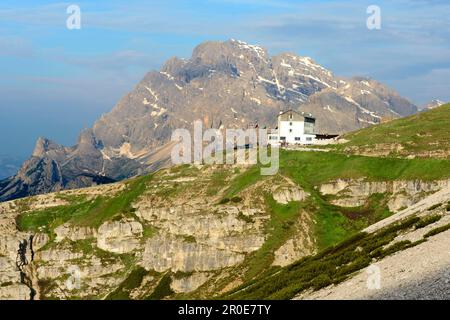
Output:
(119, 236)
(181, 228)
(402, 194)
(194, 236)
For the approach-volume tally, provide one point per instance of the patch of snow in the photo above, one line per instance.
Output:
(254, 48)
(370, 122)
(105, 156)
(350, 99)
(309, 63)
(396, 113)
(284, 64)
(152, 93)
(168, 75)
(279, 87)
(261, 79)
(329, 109)
(364, 110)
(158, 113)
(315, 79)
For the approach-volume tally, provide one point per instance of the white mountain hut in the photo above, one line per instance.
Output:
(294, 128)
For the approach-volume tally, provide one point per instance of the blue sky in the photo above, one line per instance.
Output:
(55, 81)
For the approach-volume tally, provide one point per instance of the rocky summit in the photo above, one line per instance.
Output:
(225, 84)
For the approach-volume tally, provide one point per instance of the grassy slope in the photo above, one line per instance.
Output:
(85, 212)
(331, 266)
(422, 132)
(333, 224)
(311, 169)
(307, 169)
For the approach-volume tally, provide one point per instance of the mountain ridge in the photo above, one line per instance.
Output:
(231, 84)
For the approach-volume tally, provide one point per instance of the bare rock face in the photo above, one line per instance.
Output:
(183, 226)
(74, 233)
(222, 230)
(56, 255)
(170, 253)
(119, 236)
(354, 193)
(196, 238)
(284, 195)
(435, 103)
(300, 245)
(8, 273)
(14, 292)
(40, 240)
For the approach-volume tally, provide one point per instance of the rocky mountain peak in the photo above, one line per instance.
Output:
(433, 104)
(232, 84)
(44, 145)
(87, 140)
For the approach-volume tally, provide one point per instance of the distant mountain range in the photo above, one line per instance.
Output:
(433, 104)
(230, 84)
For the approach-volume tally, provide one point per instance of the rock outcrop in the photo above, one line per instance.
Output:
(119, 236)
(402, 194)
(163, 253)
(287, 194)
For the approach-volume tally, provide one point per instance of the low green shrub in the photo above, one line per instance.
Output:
(434, 207)
(224, 201)
(163, 289)
(236, 199)
(425, 221)
(133, 281)
(244, 218)
(330, 266)
(437, 231)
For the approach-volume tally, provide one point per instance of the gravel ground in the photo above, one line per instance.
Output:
(433, 287)
(421, 272)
